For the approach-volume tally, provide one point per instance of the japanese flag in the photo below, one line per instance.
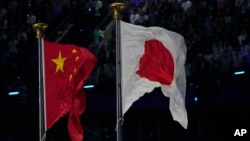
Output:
(153, 57)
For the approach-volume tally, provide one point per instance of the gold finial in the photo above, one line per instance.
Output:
(39, 28)
(117, 8)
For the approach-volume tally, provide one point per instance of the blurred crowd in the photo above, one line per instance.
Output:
(18, 44)
(216, 33)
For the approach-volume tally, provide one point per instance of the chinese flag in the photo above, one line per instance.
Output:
(67, 67)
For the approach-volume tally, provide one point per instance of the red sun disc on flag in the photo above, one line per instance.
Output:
(157, 63)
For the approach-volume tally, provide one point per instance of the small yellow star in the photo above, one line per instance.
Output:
(77, 58)
(74, 51)
(70, 77)
(59, 61)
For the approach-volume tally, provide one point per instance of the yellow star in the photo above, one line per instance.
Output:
(59, 61)
(77, 58)
(70, 77)
(74, 51)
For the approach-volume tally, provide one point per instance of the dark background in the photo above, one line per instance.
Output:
(217, 103)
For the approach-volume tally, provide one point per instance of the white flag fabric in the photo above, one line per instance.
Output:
(153, 57)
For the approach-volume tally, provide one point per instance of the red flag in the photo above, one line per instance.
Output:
(67, 67)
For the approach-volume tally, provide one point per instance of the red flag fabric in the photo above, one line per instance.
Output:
(153, 57)
(67, 67)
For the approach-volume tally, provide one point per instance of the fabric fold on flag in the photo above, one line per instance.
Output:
(67, 67)
(153, 57)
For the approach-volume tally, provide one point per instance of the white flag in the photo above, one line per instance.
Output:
(153, 57)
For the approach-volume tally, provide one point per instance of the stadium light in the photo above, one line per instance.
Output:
(13, 93)
(195, 98)
(239, 72)
(88, 86)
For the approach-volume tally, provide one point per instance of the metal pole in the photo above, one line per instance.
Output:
(118, 82)
(117, 8)
(41, 91)
(40, 28)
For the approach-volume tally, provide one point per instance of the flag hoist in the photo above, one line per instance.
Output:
(40, 28)
(117, 8)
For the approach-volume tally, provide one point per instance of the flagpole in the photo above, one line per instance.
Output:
(39, 28)
(117, 8)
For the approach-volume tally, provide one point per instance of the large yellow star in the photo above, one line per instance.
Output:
(59, 61)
